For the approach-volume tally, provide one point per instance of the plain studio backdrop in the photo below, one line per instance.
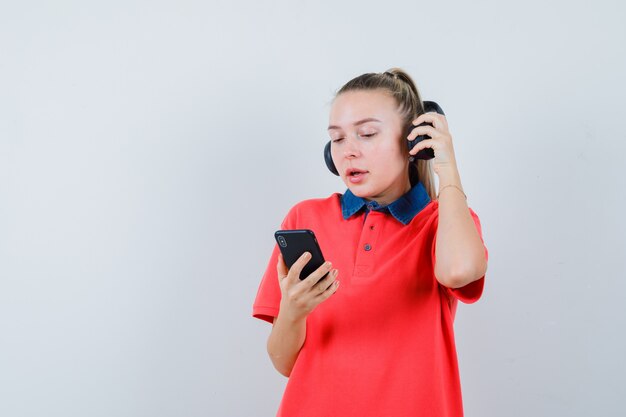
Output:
(149, 150)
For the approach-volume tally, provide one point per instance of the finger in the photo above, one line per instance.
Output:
(328, 292)
(317, 275)
(429, 117)
(296, 268)
(428, 143)
(439, 121)
(436, 120)
(423, 130)
(281, 268)
(325, 283)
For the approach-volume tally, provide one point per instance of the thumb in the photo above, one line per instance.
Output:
(281, 268)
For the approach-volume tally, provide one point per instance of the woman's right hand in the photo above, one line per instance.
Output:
(300, 297)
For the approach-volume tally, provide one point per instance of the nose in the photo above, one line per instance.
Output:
(351, 150)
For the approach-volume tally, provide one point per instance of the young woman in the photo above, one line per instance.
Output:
(381, 343)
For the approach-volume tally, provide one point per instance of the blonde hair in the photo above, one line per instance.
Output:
(401, 87)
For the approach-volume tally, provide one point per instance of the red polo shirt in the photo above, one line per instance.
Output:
(383, 344)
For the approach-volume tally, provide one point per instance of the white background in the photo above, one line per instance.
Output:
(149, 149)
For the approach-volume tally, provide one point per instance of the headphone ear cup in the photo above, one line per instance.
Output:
(427, 153)
(328, 158)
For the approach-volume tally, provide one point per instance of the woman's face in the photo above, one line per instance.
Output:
(365, 130)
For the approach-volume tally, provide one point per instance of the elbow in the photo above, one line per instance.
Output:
(280, 366)
(284, 372)
(451, 281)
(461, 276)
(279, 363)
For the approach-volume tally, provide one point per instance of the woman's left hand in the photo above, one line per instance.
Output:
(440, 141)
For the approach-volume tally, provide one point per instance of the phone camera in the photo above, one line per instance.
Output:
(282, 242)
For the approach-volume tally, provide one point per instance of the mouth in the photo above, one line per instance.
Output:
(351, 172)
(355, 174)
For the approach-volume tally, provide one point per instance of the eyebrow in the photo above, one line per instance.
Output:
(360, 122)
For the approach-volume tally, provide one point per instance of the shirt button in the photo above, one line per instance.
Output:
(371, 227)
(367, 246)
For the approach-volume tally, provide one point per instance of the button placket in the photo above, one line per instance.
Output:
(364, 265)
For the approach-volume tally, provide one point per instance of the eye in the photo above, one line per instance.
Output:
(336, 140)
(368, 135)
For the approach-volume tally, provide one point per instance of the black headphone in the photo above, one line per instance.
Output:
(427, 153)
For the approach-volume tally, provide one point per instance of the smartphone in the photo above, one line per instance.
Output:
(293, 243)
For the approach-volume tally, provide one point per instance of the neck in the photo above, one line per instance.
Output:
(393, 193)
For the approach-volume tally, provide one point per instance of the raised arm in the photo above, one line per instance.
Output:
(459, 251)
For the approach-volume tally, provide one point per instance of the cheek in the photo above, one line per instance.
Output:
(392, 151)
(392, 160)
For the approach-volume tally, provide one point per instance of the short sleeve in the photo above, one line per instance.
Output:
(471, 292)
(267, 302)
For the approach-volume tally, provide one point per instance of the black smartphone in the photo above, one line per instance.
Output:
(293, 243)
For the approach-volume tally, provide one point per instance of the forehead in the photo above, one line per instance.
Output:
(356, 105)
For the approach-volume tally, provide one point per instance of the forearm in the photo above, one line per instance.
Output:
(285, 342)
(459, 251)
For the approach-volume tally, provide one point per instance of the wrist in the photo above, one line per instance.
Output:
(453, 186)
(450, 179)
(289, 318)
(449, 176)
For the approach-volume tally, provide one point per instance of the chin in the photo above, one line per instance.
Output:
(361, 191)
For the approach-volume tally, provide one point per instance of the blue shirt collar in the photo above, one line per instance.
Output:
(403, 209)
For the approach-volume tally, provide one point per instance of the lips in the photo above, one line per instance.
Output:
(354, 172)
(355, 175)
